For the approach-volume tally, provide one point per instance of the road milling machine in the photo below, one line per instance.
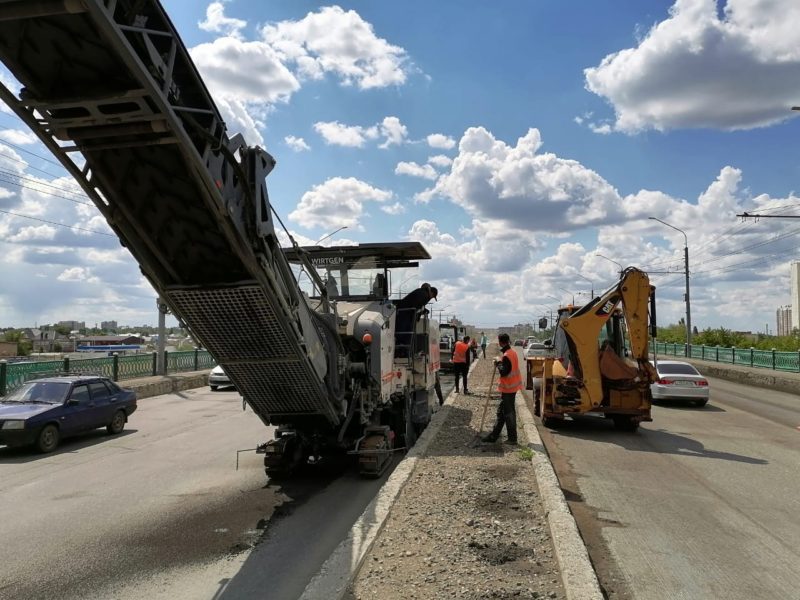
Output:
(110, 89)
(600, 361)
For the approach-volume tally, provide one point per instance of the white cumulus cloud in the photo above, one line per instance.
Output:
(337, 202)
(415, 170)
(441, 141)
(246, 79)
(391, 130)
(697, 68)
(339, 134)
(297, 144)
(340, 42)
(217, 22)
(440, 160)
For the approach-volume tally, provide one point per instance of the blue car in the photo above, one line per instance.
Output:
(44, 411)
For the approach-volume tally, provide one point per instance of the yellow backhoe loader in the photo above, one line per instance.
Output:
(600, 362)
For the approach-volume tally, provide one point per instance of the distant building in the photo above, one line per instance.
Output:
(73, 325)
(108, 325)
(784, 318)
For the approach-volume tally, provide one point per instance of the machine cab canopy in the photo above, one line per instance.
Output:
(361, 272)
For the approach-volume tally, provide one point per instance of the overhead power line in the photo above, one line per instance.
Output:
(15, 179)
(8, 212)
(26, 151)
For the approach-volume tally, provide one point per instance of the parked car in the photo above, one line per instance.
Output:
(680, 381)
(44, 411)
(519, 342)
(218, 378)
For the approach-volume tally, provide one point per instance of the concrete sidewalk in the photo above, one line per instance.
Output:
(461, 519)
(784, 381)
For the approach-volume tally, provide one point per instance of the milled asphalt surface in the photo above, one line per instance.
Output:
(160, 512)
(701, 503)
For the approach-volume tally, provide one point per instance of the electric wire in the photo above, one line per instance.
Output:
(4, 178)
(13, 214)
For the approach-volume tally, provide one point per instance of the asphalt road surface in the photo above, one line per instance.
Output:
(161, 512)
(700, 503)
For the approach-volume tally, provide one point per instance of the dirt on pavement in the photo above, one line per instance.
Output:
(469, 523)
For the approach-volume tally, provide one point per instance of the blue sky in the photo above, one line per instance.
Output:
(558, 129)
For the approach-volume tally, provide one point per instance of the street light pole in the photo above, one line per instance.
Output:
(686, 274)
(621, 268)
(589, 280)
(572, 293)
(325, 237)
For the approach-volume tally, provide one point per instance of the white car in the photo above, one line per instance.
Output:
(218, 378)
(679, 381)
(537, 349)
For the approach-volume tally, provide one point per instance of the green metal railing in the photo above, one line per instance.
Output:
(748, 357)
(117, 368)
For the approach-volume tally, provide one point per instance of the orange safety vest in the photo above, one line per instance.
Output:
(513, 381)
(460, 352)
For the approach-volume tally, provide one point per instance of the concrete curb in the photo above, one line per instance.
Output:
(333, 580)
(577, 574)
(167, 384)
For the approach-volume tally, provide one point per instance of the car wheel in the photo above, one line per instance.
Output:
(117, 423)
(48, 438)
(701, 403)
(214, 388)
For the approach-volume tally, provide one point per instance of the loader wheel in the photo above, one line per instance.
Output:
(552, 422)
(625, 423)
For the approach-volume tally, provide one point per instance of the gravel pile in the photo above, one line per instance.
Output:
(469, 523)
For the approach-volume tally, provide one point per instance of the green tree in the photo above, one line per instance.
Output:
(720, 337)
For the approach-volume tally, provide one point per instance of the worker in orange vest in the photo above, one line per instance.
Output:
(461, 362)
(509, 384)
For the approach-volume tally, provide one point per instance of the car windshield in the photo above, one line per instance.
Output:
(50, 392)
(677, 369)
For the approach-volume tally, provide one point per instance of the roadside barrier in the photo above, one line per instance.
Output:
(116, 367)
(746, 357)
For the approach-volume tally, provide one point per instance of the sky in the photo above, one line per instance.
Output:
(523, 143)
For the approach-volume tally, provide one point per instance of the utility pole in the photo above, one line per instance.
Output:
(163, 309)
(686, 294)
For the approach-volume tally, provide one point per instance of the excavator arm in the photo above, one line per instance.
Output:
(110, 89)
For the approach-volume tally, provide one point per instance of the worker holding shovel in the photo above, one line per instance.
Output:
(509, 383)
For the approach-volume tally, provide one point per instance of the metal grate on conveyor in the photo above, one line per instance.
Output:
(239, 327)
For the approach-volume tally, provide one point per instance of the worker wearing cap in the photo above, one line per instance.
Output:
(404, 325)
(509, 384)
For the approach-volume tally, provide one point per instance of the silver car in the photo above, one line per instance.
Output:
(218, 378)
(679, 381)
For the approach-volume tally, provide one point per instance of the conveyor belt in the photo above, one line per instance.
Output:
(112, 79)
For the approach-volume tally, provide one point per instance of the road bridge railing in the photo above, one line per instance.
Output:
(116, 367)
(747, 357)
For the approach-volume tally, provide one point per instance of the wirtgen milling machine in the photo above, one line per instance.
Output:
(110, 89)
(601, 357)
